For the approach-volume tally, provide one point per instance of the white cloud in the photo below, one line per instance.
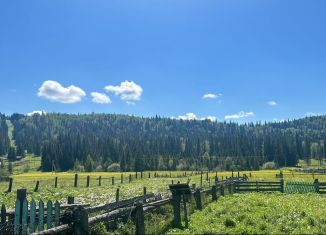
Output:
(188, 116)
(128, 91)
(100, 98)
(211, 96)
(211, 118)
(39, 112)
(272, 103)
(192, 116)
(55, 92)
(239, 115)
(311, 114)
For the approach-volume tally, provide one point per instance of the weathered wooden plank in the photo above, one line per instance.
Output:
(24, 217)
(259, 185)
(120, 204)
(259, 182)
(17, 217)
(32, 217)
(261, 190)
(41, 216)
(57, 213)
(49, 214)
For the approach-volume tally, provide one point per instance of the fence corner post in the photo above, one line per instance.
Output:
(138, 216)
(282, 185)
(176, 200)
(197, 195)
(80, 218)
(316, 183)
(214, 193)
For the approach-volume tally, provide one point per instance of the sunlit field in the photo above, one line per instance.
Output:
(96, 194)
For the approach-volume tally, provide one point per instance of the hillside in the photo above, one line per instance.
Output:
(98, 140)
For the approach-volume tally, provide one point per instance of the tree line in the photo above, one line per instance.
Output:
(4, 138)
(96, 141)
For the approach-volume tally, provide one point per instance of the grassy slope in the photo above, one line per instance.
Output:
(259, 213)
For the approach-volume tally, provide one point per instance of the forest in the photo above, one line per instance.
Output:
(96, 141)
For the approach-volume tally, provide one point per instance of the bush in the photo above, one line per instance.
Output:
(99, 168)
(269, 166)
(115, 167)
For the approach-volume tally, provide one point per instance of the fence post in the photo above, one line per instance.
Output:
(138, 216)
(129, 178)
(232, 174)
(201, 179)
(3, 215)
(112, 180)
(282, 185)
(71, 200)
(136, 175)
(76, 181)
(121, 178)
(117, 195)
(141, 175)
(238, 174)
(176, 200)
(185, 211)
(230, 188)
(207, 176)
(316, 183)
(80, 218)
(100, 181)
(87, 181)
(21, 197)
(197, 195)
(216, 180)
(37, 186)
(214, 193)
(222, 190)
(149, 175)
(10, 185)
(56, 182)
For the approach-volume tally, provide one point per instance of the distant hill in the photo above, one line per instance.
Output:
(98, 140)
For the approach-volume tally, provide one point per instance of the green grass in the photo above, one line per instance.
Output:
(29, 164)
(96, 195)
(259, 213)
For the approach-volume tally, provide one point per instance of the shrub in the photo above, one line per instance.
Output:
(115, 167)
(269, 166)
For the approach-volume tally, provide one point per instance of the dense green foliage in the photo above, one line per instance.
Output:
(4, 139)
(165, 144)
(259, 213)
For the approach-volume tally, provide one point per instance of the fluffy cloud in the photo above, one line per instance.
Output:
(39, 112)
(211, 118)
(55, 92)
(128, 91)
(211, 96)
(192, 116)
(100, 98)
(272, 103)
(239, 115)
(311, 114)
(188, 116)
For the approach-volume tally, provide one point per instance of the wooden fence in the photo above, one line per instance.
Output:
(127, 179)
(260, 186)
(53, 218)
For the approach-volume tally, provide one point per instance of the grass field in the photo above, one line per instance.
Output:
(105, 193)
(259, 213)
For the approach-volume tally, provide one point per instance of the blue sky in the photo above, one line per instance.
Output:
(162, 56)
